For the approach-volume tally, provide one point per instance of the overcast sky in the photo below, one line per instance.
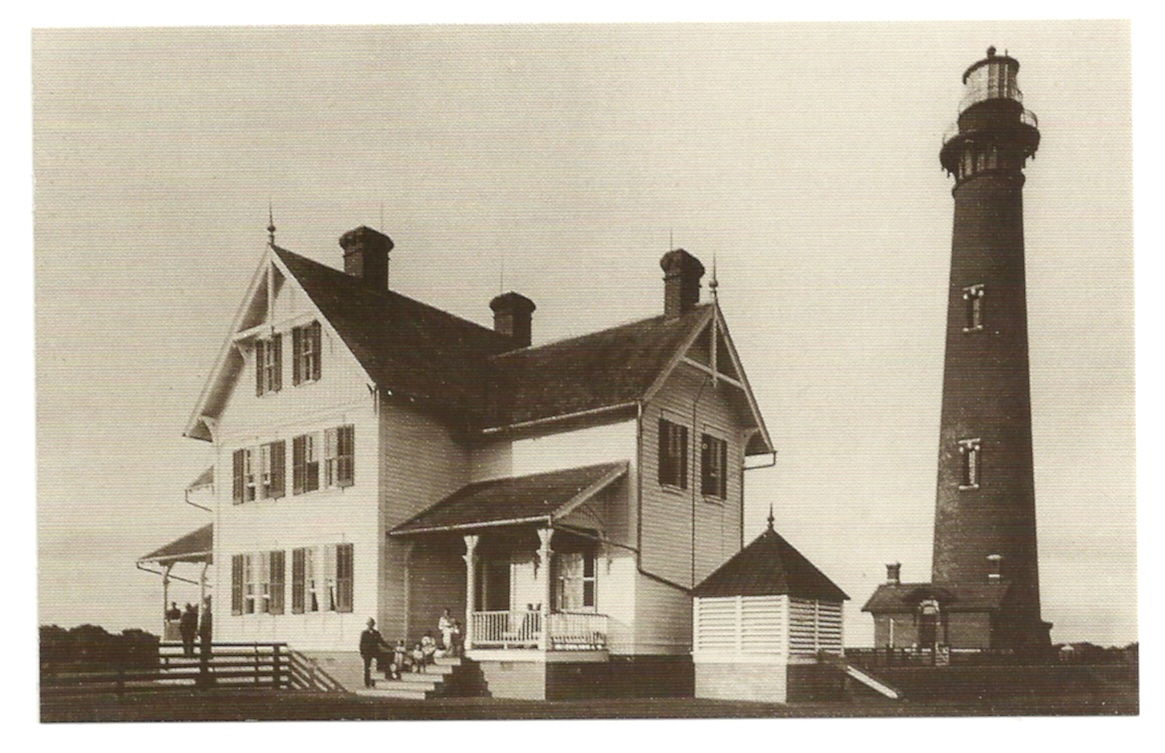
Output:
(803, 157)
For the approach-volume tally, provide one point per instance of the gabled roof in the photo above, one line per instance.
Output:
(206, 478)
(405, 346)
(769, 566)
(542, 497)
(601, 370)
(904, 597)
(196, 546)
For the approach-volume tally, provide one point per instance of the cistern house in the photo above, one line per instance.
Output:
(378, 457)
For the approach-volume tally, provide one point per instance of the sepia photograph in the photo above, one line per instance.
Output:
(540, 371)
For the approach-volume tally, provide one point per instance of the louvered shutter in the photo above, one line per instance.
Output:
(239, 463)
(259, 366)
(296, 355)
(275, 356)
(683, 455)
(298, 464)
(277, 581)
(278, 453)
(316, 350)
(346, 456)
(344, 567)
(665, 472)
(237, 584)
(723, 470)
(297, 580)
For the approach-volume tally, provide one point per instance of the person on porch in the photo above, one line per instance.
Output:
(370, 645)
(445, 627)
(188, 627)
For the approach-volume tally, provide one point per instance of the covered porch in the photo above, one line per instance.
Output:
(529, 563)
(195, 549)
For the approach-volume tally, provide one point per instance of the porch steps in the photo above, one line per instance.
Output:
(446, 677)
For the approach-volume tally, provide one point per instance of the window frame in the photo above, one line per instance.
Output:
(565, 582)
(713, 455)
(305, 463)
(673, 469)
(973, 296)
(339, 457)
(306, 351)
(971, 467)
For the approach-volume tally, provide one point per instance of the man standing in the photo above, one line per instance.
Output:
(188, 627)
(370, 646)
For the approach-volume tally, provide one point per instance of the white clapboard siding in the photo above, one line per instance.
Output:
(762, 624)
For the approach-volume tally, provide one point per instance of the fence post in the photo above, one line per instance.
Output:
(255, 647)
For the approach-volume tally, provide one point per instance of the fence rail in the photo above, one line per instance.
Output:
(258, 664)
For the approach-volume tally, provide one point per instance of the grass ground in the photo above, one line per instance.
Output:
(268, 705)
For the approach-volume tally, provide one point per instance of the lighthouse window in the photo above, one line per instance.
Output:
(970, 449)
(973, 297)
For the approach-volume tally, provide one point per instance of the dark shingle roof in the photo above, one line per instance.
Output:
(603, 369)
(195, 546)
(515, 499)
(904, 597)
(206, 478)
(406, 346)
(769, 566)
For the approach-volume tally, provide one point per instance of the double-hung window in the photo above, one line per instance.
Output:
(249, 584)
(305, 464)
(673, 454)
(305, 353)
(713, 467)
(244, 488)
(276, 577)
(575, 582)
(272, 465)
(339, 456)
(269, 365)
(304, 597)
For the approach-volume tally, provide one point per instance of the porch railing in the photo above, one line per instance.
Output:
(523, 629)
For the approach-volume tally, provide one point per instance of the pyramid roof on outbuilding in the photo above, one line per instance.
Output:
(769, 566)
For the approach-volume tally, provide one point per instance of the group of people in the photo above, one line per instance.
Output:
(191, 625)
(397, 660)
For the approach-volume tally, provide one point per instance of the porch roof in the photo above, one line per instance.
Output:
(515, 500)
(954, 597)
(196, 546)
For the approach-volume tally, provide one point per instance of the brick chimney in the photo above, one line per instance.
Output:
(995, 568)
(366, 256)
(681, 282)
(512, 317)
(893, 572)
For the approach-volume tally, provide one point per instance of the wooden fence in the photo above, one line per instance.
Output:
(269, 665)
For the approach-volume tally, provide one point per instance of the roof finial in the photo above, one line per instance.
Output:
(714, 284)
(770, 516)
(270, 224)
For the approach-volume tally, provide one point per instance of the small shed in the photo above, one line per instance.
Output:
(762, 621)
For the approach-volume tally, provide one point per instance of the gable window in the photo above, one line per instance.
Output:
(305, 353)
(673, 454)
(269, 365)
(339, 456)
(713, 466)
(973, 296)
(970, 450)
(575, 584)
(244, 489)
(305, 464)
(271, 461)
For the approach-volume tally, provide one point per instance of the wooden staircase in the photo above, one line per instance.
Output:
(446, 677)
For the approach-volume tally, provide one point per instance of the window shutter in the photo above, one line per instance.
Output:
(259, 364)
(237, 584)
(237, 488)
(723, 470)
(278, 458)
(665, 473)
(276, 358)
(277, 578)
(683, 453)
(296, 355)
(298, 463)
(314, 331)
(346, 456)
(344, 568)
(297, 580)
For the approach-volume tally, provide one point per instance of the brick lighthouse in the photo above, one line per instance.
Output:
(984, 589)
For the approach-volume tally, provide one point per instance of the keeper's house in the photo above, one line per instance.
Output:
(379, 457)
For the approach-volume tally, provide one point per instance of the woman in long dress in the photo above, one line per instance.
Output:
(445, 625)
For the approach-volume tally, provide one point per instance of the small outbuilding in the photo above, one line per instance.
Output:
(762, 624)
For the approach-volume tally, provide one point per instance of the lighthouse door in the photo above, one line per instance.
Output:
(928, 619)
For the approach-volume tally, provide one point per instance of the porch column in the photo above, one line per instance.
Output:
(544, 555)
(165, 597)
(470, 557)
(202, 587)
